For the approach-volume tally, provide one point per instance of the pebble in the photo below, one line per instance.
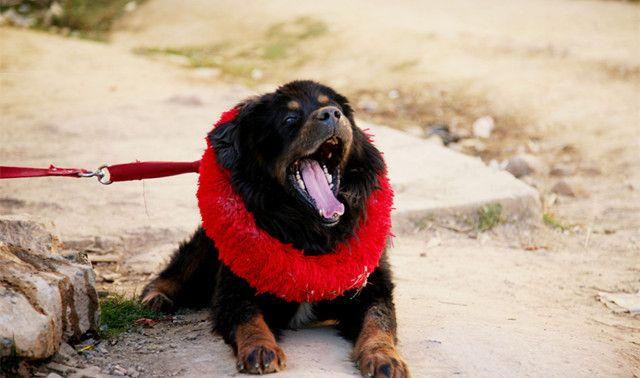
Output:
(53, 375)
(524, 164)
(119, 370)
(563, 188)
(483, 126)
(443, 132)
(101, 348)
(65, 353)
(561, 170)
(368, 105)
(518, 167)
(60, 368)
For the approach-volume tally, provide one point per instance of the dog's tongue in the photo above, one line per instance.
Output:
(318, 188)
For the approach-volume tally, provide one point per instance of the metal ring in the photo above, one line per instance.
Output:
(104, 177)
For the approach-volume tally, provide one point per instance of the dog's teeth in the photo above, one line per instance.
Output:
(301, 184)
(329, 178)
(329, 156)
(324, 168)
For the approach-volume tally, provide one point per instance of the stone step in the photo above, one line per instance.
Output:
(433, 181)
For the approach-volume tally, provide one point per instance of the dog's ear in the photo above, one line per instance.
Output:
(225, 138)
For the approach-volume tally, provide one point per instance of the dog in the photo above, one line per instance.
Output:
(269, 148)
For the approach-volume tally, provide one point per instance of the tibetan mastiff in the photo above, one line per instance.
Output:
(263, 149)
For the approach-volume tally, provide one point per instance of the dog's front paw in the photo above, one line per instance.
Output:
(261, 358)
(154, 299)
(382, 362)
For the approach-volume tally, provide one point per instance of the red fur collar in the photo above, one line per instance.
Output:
(271, 266)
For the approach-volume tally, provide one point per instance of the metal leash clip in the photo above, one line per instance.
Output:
(102, 173)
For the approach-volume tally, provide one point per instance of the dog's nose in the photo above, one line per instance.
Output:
(329, 115)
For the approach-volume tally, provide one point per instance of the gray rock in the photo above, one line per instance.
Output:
(524, 165)
(518, 167)
(66, 354)
(44, 298)
(443, 132)
(563, 188)
(561, 170)
(88, 372)
(20, 231)
(60, 368)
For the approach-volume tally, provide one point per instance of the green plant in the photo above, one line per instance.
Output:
(93, 17)
(119, 313)
(489, 216)
(281, 42)
(552, 222)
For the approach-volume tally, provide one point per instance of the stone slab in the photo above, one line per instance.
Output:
(431, 180)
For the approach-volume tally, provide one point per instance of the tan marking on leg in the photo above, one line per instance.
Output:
(257, 350)
(375, 351)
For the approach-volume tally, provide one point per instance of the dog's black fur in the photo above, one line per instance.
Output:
(252, 147)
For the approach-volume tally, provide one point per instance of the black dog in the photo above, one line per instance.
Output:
(263, 148)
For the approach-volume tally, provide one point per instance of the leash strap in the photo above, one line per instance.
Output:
(107, 174)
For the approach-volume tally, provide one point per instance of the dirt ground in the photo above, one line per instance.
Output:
(561, 79)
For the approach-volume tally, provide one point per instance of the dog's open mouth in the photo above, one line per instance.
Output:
(316, 179)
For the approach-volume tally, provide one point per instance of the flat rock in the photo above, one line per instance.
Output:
(430, 180)
(20, 230)
(44, 298)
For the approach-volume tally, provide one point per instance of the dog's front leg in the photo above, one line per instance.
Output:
(375, 348)
(256, 349)
(239, 319)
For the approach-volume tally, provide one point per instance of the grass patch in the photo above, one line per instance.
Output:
(552, 222)
(118, 314)
(281, 42)
(489, 217)
(90, 19)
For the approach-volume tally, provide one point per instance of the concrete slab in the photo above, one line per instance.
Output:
(431, 180)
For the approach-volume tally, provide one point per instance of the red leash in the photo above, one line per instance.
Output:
(107, 174)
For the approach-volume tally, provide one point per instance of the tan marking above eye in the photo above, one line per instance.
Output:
(323, 99)
(293, 105)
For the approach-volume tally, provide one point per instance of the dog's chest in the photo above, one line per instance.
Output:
(304, 315)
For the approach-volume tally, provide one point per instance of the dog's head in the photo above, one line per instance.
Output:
(298, 153)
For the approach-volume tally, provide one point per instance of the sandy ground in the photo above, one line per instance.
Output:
(467, 304)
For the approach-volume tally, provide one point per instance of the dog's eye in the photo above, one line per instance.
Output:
(291, 120)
